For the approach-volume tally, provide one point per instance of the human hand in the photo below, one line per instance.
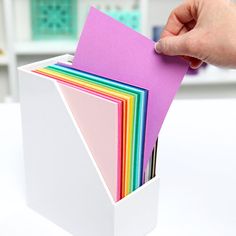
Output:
(201, 31)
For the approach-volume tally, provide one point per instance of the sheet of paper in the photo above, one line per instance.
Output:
(128, 139)
(134, 126)
(110, 49)
(140, 116)
(99, 120)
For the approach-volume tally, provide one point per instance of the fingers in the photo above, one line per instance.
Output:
(190, 25)
(179, 36)
(179, 17)
(175, 45)
(194, 63)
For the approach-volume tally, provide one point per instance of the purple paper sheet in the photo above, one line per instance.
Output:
(110, 49)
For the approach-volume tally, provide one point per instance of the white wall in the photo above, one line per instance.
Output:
(3, 83)
(3, 68)
(1, 25)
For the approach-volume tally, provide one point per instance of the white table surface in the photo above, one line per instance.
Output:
(197, 166)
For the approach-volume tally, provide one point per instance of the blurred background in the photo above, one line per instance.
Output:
(32, 30)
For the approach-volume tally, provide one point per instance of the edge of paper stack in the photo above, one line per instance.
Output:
(112, 118)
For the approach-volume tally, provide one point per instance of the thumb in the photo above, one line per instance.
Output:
(178, 45)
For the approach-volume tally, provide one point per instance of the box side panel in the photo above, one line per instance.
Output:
(136, 215)
(62, 182)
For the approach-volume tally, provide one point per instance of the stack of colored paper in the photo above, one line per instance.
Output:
(118, 91)
(112, 118)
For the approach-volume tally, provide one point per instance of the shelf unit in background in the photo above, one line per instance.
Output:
(20, 48)
(44, 47)
(3, 60)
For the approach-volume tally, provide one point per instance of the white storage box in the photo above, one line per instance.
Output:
(62, 179)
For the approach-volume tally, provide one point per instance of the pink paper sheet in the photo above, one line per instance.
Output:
(98, 118)
(110, 49)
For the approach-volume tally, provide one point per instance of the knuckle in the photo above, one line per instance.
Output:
(164, 46)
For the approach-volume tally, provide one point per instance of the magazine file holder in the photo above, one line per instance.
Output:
(63, 182)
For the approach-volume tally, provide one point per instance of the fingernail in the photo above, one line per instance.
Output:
(158, 47)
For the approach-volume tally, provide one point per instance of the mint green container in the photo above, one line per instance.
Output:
(54, 19)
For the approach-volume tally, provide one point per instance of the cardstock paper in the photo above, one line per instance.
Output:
(99, 119)
(134, 127)
(126, 164)
(140, 116)
(110, 49)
